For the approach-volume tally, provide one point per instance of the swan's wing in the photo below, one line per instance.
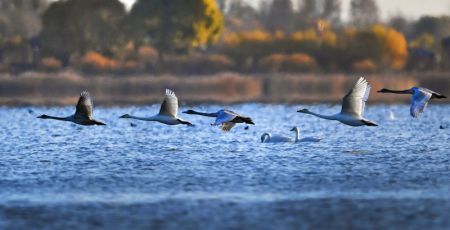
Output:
(84, 106)
(419, 101)
(224, 116)
(354, 102)
(170, 104)
(227, 126)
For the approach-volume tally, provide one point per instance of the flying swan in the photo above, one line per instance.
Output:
(419, 99)
(227, 119)
(83, 112)
(352, 106)
(167, 113)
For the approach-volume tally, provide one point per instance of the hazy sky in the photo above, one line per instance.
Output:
(409, 8)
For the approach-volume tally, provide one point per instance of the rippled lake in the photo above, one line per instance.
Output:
(145, 175)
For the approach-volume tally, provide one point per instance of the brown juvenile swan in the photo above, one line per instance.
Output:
(227, 119)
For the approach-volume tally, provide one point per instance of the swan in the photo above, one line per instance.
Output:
(167, 113)
(227, 119)
(83, 112)
(419, 99)
(306, 139)
(352, 106)
(268, 138)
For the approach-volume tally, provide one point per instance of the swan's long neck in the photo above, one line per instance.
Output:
(142, 118)
(70, 118)
(297, 135)
(328, 117)
(263, 137)
(204, 114)
(408, 91)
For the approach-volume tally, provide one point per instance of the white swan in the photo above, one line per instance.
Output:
(419, 99)
(305, 139)
(268, 138)
(227, 119)
(352, 106)
(167, 113)
(83, 112)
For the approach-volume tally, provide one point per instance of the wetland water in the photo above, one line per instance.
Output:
(141, 175)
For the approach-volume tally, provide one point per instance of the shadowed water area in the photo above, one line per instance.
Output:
(141, 175)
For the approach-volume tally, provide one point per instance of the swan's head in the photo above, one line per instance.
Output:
(303, 111)
(383, 90)
(43, 116)
(295, 129)
(125, 116)
(265, 137)
(189, 111)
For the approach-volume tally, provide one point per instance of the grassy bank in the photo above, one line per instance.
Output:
(63, 88)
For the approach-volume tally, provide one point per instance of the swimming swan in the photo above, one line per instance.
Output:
(227, 119)
(167, 113)
(306, 139)
(268, 138)
(352, 106)
(83, 112)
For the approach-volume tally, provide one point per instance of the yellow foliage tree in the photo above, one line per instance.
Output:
(425, 40)
(395, 46)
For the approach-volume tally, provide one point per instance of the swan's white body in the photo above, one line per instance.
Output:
(269, 138)
(419, 99)
(305, 139)
(353, 105)
(83, 113)
(167, 113)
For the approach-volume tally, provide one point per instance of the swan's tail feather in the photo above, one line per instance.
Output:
(247, 120)
(98, 122)
(185, 122)
(369, 123)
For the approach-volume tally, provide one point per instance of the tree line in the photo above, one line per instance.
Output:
(206, 36)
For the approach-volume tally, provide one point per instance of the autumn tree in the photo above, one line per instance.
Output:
(19, 23)
(241, 16)
(363, 13)
(281, 16)
(438, 27)
(312, 10)
(73, 27)
(177, 24)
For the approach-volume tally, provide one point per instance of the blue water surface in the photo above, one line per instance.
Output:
(144, 175)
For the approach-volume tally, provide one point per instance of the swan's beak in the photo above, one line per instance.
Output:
(293, 129)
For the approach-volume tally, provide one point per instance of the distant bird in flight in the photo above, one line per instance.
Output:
(227, 119)
(167, 113)
(419, 99)
(83, 113)
(352, 106)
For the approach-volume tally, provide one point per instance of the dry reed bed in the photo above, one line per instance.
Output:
(63, 88)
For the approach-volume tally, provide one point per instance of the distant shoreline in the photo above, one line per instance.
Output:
(63, 88)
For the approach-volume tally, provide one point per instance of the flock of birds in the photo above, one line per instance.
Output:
(351, 114)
